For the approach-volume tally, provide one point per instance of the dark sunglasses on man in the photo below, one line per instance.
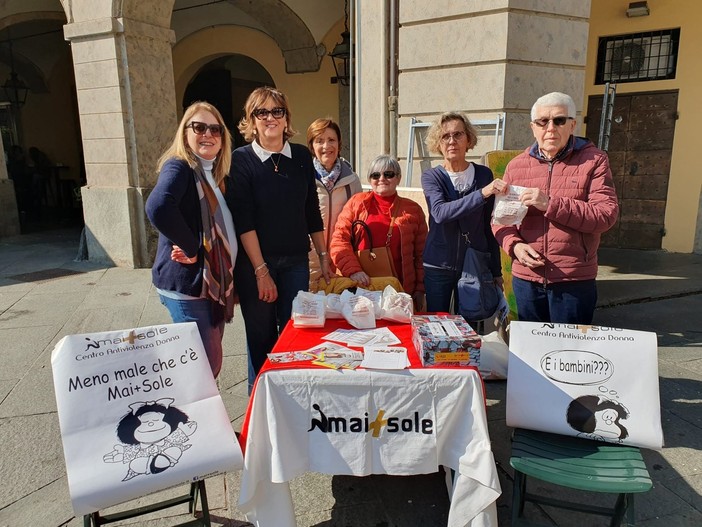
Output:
(389, 174)
(558, 121)
(216, 130)
(262, 113)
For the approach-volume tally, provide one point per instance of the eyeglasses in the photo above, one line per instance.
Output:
(201, 128)
(277, 112)
(456, 136)
(558, 121)
(389, 174)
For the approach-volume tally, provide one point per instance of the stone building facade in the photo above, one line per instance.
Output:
(109, 79)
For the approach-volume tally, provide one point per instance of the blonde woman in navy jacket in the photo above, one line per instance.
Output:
(460, 198)
(193, 268)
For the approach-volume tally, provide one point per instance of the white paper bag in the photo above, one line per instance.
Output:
(308, 310)
(139, 412)
(595, 382)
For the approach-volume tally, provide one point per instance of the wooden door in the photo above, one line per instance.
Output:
(640, 149)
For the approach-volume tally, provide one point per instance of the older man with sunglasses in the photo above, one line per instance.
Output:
(571, 201)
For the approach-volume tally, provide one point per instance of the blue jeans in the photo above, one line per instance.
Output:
(563, 302)
(200, 312)
(264, 321)
(439, 287)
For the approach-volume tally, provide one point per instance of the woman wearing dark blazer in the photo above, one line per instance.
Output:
(197, 247)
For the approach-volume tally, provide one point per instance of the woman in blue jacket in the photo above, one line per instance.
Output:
(193, 268)
(460, 198)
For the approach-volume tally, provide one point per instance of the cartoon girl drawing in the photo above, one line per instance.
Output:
(598, 418)
(154, 434)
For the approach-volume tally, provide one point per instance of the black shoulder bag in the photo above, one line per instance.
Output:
(478, 295)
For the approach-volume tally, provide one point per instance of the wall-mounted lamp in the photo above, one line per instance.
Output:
(638, 9)
(341, 54)
(14, 90)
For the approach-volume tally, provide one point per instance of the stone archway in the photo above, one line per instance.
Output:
(33, 48)
(226, 82)
(288, 30)
(122, 53)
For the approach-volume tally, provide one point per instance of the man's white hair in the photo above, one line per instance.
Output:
(555, 98)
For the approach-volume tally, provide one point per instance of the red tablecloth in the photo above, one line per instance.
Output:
(301, 339)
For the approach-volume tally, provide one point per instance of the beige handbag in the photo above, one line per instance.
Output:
(378, 260)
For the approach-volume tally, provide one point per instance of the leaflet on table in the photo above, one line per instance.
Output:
(327, 354)
(332, 355)
(361, 338)
(290, 356)
(385, 358)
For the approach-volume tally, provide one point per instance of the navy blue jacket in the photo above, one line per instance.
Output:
(451, 214)
(173, 208)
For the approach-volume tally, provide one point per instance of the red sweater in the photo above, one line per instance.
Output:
(379, 214)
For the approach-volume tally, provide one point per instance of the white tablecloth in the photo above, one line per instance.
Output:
(365, 422)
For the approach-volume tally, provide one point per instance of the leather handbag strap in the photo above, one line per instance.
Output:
(354, 241)
(366, 228)
(396, 205)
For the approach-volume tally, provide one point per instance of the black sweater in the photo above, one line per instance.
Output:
(282, 207)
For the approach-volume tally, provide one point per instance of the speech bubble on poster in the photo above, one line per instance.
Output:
(596, 382)
(577, 367)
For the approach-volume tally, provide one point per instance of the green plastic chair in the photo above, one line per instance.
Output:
(578, 464)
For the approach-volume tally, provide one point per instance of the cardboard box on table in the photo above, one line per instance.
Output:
(446, 340)
(595, 382)
(139, 412)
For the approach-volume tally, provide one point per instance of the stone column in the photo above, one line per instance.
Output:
(546, 51)
(482, 57)
(9, 219)
(126, 102)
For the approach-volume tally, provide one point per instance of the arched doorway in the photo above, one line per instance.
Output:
(39, 121)
(226, 82)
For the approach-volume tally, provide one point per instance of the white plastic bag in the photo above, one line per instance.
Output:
(509, 210)
(374, 296)
(333, 301)
(397, 307)
(494, 355)
(357, 310)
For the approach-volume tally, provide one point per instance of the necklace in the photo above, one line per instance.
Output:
(275, 165)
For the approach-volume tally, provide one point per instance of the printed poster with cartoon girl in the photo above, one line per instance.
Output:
(139, 412)
(595, 382)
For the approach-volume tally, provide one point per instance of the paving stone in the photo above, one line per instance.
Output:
(60, 297)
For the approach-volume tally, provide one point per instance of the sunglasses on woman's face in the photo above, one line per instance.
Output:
(389, 174)
(278, 112)
(201, 128)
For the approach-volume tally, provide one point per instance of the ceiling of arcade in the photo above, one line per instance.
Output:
(31, 42)
(36, 28)
(297, 26)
